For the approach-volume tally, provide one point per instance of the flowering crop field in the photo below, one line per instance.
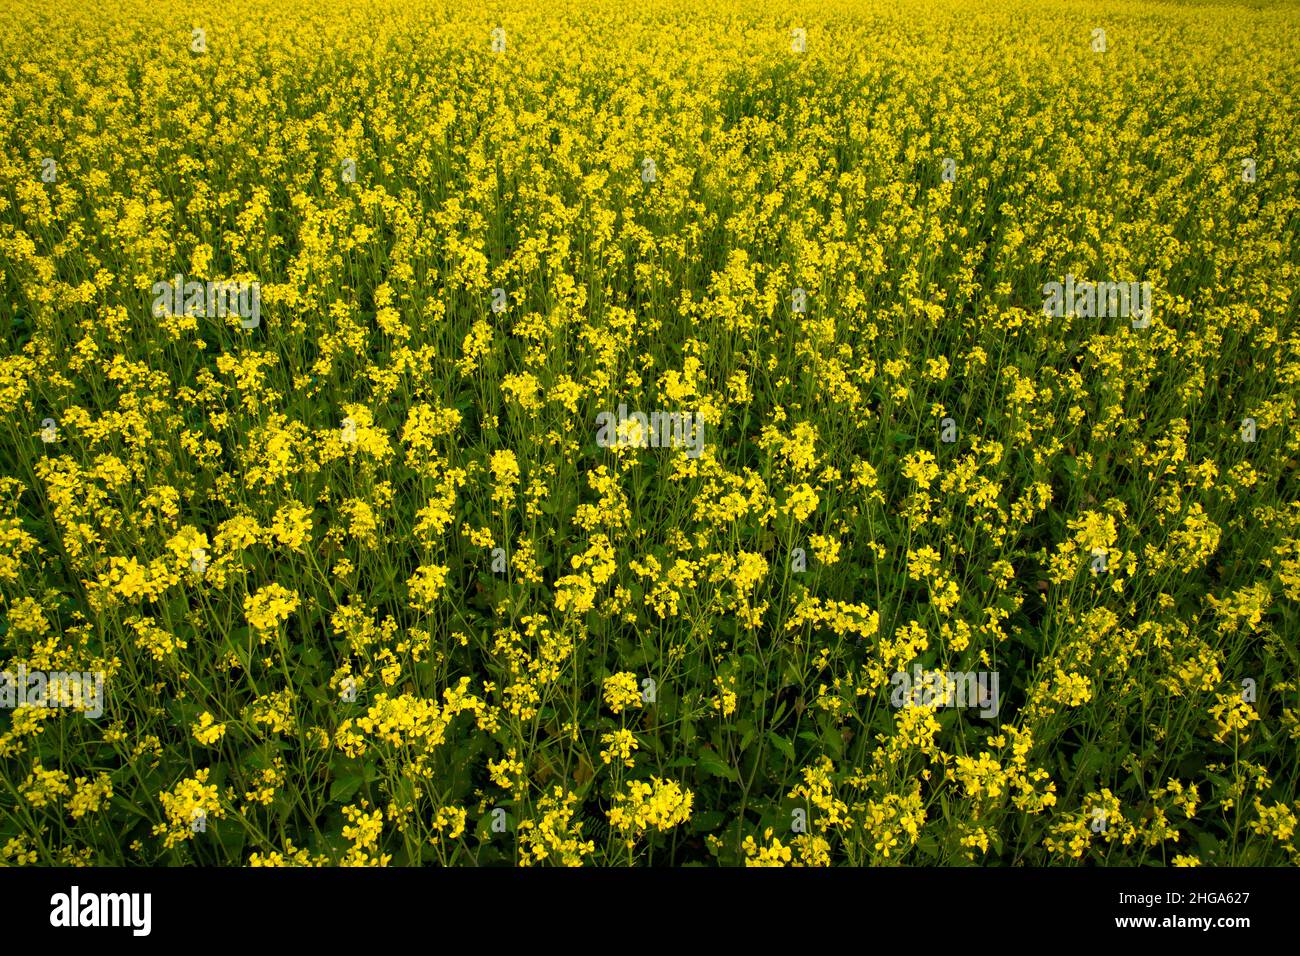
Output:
(672, 433)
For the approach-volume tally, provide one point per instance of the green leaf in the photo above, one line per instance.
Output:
(708, 820)
(711, 763)
(781, 744)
